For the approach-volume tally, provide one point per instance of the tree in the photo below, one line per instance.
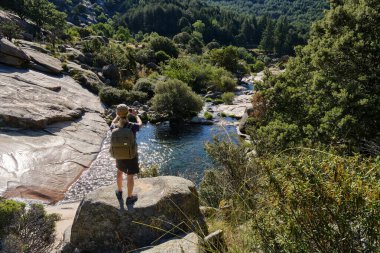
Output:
(280, 35)
(160, 43)
(56, 24)
(176, 99)
(267, 39)
(228, 58)
(10, 30)
(330, 92)
(195, 46)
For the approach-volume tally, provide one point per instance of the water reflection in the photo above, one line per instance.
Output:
(178, 150)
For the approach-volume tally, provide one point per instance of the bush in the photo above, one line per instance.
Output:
(213, 45)
(161, 56)
(176, 99)
(257, 67)
(9, 211)
(195, 46)
(10, 30)
(208, 116)
(159, 43)
(182, 38)
(199, 76)
(227, 83)
(27, 230)
(303, 201)
(228, 98)
(145, 85)
(112, 96)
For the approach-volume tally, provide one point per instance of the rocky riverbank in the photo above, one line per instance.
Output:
(51, 128)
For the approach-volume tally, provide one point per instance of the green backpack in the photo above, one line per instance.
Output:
(123, 143)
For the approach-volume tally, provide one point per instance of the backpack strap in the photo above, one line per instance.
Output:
(129, 125)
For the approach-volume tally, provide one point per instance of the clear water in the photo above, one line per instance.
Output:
(179, 151)
(175, 151)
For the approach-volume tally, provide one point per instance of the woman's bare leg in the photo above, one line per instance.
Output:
(119, 180)
(130, 184)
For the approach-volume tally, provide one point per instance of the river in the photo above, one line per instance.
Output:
(174, 151)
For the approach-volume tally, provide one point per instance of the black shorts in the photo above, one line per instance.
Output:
(129, 166)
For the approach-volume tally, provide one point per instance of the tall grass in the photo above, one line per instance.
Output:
(301, 200)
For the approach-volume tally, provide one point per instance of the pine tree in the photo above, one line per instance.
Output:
(267, 40)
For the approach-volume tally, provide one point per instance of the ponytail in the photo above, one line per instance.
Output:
(122, 122)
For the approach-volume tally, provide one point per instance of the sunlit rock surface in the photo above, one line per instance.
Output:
(167, 206)
(50, 131)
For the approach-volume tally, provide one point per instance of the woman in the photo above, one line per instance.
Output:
(124, 150)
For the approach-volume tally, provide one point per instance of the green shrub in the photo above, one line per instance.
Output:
(227, 83)
(159, 43)
(208, 115)
(161, 56)
(228, 98)
(113, 96)
(218, 101)
(257, 66)
(150, 171)
(9, 211)
(176, 99)
(26, 230)
(182, 38)
(297, 201)
(145, 85)
(198, 75)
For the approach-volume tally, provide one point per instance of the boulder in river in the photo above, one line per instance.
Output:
(167, 206)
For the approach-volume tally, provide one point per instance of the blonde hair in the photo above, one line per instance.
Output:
(122, 121)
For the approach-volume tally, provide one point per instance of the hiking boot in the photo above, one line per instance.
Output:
(131, 200)
(119, 195)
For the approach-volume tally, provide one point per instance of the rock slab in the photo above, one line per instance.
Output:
(191, 243)
(11, 54)
(51, 130)
(167, 206)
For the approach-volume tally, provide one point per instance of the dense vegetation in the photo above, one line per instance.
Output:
(299, 12)
(26, 230)
(299, 201)
(312, 182)
(42, 13)
(330, 92)
(309, 181)
(206, 23)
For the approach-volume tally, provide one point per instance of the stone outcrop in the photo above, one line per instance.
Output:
(86, 78)
(237, 109)
(167, 206)
(49, 63)
(191, 243)
(50, 131)
(111, 72)
(12, 55)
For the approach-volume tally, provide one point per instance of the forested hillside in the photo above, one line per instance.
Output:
(209, 22)
(300, 12)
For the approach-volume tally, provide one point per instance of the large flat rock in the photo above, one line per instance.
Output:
(167, 206)
(49, 63)
(11, 54)
(237, 109)
(50, 131)
(191, 243)
(31, 99)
